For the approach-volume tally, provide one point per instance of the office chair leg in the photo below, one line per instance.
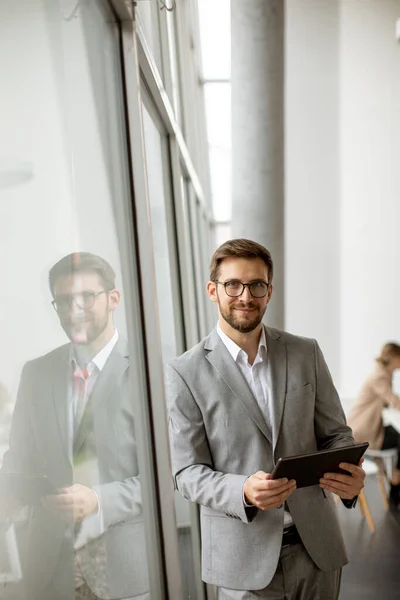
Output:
(365, 511)
(383, 490)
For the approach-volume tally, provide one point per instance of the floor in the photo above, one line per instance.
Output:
(374, 569)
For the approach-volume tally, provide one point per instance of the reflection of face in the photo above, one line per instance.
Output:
(243, 313)
(84, 325)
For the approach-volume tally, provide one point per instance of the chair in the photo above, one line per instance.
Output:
(385, 460)
(370, 468)
(374, 466)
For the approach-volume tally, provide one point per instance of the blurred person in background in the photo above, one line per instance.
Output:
(73, 424)
(365, 417)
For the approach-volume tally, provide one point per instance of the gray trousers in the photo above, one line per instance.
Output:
(296, 578)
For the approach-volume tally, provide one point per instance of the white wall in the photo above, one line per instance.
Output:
(312, 174)
(58, 113)
(342, 180)
(370, 184)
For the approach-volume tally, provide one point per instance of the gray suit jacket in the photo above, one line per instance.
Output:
(219, 437)
(113, 564)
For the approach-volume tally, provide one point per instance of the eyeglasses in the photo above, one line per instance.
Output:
(234, 288)
(84, 300)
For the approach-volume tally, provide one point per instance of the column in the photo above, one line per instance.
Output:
(257, 133)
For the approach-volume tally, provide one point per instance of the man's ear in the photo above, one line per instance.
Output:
(212, 291)
(114, 298)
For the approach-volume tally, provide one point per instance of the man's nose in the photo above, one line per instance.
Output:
(246, 296)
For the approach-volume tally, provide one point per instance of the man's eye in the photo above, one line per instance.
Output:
(258, 284)
(232, 284)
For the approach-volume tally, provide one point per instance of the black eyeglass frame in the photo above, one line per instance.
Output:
(73, 298)
(244, 285)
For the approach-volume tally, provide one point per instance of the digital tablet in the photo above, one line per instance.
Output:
(29, 489)
(307, 469)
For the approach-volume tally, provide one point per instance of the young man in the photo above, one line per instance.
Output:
(239, 400)
(74, 423)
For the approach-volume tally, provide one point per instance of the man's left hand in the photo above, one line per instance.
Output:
(345, 486)
(72, 504)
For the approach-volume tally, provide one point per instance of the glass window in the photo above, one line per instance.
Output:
(149, 17)
(217, 97)
(71, 496)
(198, 250)
(173, 63)
(215, 38)
(170, 311)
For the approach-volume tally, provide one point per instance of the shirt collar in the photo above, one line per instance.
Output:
(234, 349)
(101, 357)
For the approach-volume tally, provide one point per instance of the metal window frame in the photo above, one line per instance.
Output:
(165, 576)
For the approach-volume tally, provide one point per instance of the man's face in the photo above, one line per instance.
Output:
(84, 307)
(243, 313)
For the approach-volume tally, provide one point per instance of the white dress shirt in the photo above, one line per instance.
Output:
(93, 526)
(257, 380)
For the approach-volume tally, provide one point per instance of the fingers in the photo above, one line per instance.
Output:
(63, 505)
(353, 469)
(345, 486)
(262, 475)
(266, 499)
(337, 487)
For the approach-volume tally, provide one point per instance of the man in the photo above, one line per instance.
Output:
(74, 423)
(239, 400)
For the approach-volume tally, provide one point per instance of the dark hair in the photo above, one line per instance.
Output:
(82, 261)
(389, 350)
(240, 248)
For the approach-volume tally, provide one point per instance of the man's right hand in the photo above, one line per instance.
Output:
(266, 493)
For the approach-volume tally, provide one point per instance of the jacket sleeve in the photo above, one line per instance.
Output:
(192, 465)
(120, 501)
(20, 456)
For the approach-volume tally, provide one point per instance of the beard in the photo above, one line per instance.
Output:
(240, 322)
(84, 331)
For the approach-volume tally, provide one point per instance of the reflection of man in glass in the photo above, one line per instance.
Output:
(74, 424)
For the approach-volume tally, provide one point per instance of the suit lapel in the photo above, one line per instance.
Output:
(223, 362)
(108, 379)
(277, 364)
(61, 375)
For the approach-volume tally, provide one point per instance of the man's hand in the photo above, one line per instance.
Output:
(345, 486)
(72, 504)
(265, 493)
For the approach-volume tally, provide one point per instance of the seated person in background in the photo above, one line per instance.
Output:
(365, 417)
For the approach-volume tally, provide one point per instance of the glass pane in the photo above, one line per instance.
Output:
(215, 38)
(71, 502)
(173, 61)
(157, 160)
(155, 151)
(220, 171)
(148, 11)
(217, 99)
(196, 237)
